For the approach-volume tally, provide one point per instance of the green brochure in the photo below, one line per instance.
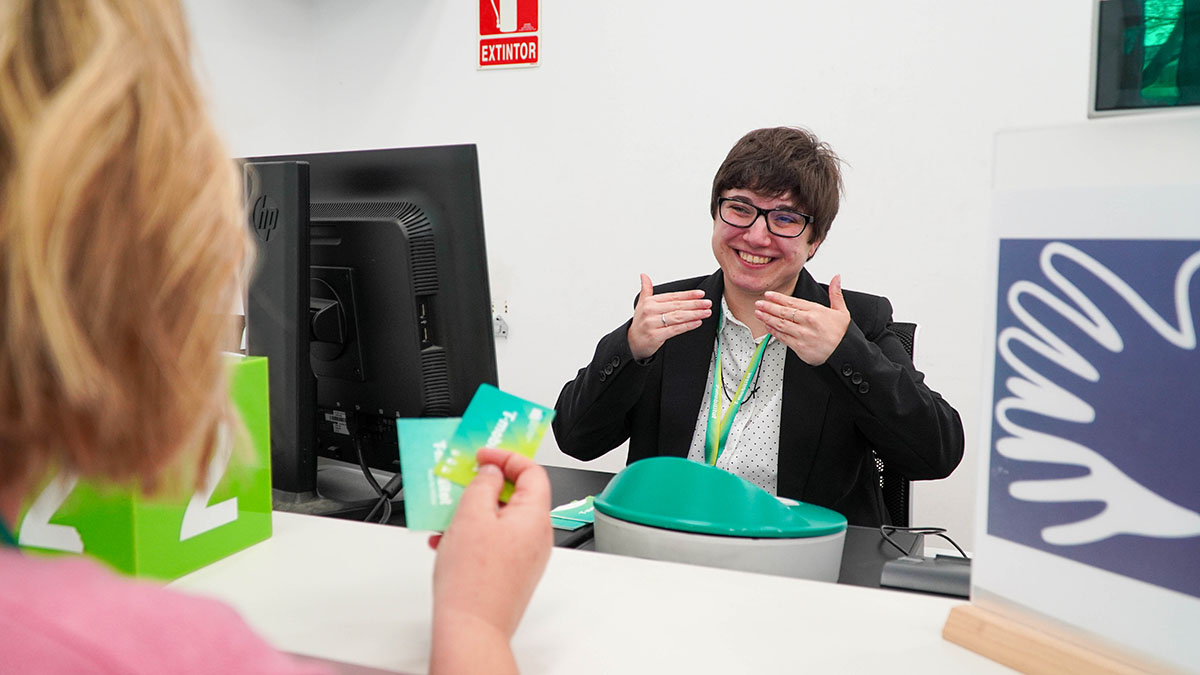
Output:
(565, 524)
(429, 499)
(494, 419)
(573, 515)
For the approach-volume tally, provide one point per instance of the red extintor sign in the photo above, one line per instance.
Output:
(508, 33)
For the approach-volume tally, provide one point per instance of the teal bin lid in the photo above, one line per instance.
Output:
(678, 494)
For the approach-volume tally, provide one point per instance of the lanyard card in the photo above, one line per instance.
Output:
(494, 419)
(429, 499)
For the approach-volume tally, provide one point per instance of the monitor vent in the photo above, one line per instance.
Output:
(423, 257)
(437, 383)
(417, 229)
(373, 210)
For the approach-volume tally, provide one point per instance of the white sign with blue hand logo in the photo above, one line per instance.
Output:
(1090, 522)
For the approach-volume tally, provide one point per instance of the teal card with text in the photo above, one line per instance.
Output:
(429, 499)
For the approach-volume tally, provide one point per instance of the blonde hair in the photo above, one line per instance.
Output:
(121, 242)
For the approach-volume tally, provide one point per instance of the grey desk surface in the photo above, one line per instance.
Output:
(345, 484)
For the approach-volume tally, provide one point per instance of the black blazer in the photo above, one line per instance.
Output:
(866, 396)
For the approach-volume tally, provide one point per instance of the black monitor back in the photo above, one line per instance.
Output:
(400, 308)
(278, 209)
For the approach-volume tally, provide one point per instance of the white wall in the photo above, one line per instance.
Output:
(597, 165)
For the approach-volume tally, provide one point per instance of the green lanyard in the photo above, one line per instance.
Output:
(719, 424)
(6, 537)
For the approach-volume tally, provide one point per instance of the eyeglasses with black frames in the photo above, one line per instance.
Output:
(780, 222)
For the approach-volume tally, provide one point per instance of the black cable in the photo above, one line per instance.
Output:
(385, 494)
(385, 499)
(362, 464)
(382, 501)
(886, 531)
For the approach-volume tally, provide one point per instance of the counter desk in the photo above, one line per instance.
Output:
(359, 594)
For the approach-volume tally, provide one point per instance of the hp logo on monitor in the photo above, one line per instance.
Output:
(264, 217)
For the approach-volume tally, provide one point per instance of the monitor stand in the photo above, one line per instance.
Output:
(342, 492)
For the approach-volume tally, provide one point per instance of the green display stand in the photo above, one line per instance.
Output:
(165, 537)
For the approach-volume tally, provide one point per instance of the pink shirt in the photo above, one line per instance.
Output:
(70, 615)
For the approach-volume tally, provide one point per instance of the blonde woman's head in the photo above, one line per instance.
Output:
(121, 242)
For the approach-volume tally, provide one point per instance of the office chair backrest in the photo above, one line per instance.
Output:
(894, 486)
(907, 332)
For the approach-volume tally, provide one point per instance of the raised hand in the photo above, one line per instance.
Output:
(489, 562)
(658, 318)
(809, 329)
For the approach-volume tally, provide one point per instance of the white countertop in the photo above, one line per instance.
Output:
(361, 594)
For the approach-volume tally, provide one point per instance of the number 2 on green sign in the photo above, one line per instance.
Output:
(37, 531)
(199, 517)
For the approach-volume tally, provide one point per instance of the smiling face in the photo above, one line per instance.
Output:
(754, 260)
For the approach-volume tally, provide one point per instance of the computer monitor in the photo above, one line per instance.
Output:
(372, 288)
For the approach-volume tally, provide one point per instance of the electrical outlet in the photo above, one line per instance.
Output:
(499, 323)
(499, 326)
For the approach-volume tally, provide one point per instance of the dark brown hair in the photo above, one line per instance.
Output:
(785, 160)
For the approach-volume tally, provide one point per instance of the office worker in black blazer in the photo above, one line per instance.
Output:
(835, 383)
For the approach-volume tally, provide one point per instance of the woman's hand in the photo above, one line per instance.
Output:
(489, 561)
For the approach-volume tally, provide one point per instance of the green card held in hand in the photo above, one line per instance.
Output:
(493, 419)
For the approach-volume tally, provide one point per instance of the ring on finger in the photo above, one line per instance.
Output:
(664, 319)
(793, 315)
